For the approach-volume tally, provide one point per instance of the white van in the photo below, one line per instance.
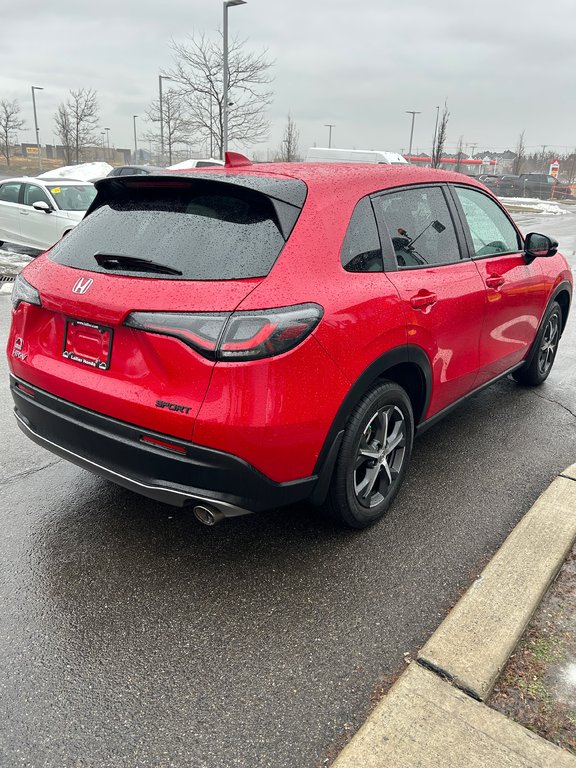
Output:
(325, 155)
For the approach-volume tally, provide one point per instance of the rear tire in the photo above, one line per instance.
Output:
(373, 457)
(544, 350)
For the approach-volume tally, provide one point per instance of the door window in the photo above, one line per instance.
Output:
(34, 194)
(361, 251)
(9, 192)
(421, 227)
(491, 230)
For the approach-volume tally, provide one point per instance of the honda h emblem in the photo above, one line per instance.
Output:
(81, 285)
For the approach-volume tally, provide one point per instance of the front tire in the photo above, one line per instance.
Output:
(545, 348)
(373, 457)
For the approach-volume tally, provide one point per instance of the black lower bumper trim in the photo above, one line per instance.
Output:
(113, 450)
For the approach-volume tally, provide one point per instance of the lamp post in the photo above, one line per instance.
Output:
(227, 4)
(103, 134)
(135, 140)
(108, 143)
(161, 104)
(435, 132)
(413, 113)
(329, 126)
(37, 88)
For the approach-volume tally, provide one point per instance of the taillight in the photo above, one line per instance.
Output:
(235, 336)
(24, 292)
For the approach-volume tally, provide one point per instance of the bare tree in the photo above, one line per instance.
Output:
(76, 119)
(520, 155)
(289, 146)
(10, 122)
(572, 172)
(175, 121)
(438, 149)
(198, 70)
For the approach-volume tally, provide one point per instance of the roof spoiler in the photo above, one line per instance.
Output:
(235, 160)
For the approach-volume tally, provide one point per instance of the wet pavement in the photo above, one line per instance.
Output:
(131, 636)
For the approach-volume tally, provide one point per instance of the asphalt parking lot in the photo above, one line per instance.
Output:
(133, 636)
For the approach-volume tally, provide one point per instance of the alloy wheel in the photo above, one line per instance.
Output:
(549, 344)
(380, 456)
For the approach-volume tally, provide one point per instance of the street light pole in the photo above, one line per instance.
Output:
(37, 88)
(135, 141)
(413, 113)
(227, 4)
(329, 126)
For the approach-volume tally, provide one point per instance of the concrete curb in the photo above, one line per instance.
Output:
(474, 642)
(468, 651)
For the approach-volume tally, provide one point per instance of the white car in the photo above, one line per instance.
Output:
(36, 213)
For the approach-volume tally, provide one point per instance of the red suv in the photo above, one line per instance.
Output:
(255, 335)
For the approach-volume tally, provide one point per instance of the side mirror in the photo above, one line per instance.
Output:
(42, 205)
(539, 245)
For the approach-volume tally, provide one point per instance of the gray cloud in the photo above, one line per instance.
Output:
(503, 65)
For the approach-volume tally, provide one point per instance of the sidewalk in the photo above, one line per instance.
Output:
(435, 716)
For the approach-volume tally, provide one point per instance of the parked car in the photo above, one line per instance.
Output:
(195, 162)
(242, 338)
(508, 186)
(543, 186)
(134, 170)
(334, 155)
(37, 212)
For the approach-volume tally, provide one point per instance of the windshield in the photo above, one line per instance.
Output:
(207, 232)
(73, 198)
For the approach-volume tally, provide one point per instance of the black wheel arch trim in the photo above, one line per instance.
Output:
(562, 287)
(409, 353)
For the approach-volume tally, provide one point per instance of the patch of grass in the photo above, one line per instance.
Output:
(545, 649)
(537, 690)
(522, 209)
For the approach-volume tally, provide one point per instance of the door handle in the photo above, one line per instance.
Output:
(24, 213)
(495, 281)
(423, 299)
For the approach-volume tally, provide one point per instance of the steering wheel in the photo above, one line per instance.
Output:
(496, 246)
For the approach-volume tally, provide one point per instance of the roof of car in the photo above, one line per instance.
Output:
(362, 178)
(47, 181)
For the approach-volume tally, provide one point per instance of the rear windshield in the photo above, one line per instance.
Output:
(206, 231)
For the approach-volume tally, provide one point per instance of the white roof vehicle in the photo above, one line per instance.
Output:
(333, 155)
(36, 213)
(195, 162)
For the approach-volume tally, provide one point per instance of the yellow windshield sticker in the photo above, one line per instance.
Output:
(55, 190)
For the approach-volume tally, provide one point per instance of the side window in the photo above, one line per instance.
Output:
(420, 226)
(491, 230)
(9, 192)
(361, 251)
(34, 194)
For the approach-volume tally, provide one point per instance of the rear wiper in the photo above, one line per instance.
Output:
(133, 264)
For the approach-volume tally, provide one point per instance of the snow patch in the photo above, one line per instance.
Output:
(533, 202)
(81, 172)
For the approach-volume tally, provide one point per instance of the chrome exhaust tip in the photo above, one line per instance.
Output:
(207, 515)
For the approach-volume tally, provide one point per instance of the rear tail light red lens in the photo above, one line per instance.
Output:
(234, 336)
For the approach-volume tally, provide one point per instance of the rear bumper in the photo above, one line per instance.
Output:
(114, 450)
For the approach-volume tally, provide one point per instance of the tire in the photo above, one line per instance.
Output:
(363, 486)
(543, 354)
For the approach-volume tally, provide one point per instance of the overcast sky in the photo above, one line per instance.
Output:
(503, 65)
